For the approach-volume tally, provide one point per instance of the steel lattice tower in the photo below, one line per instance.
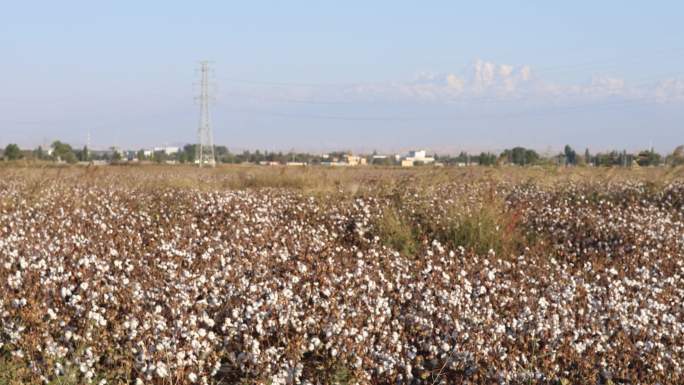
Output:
(205, 148)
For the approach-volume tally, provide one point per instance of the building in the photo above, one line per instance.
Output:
(417, 154)
(354, 160)
(167, 150)
(416, 157)
(347, 160)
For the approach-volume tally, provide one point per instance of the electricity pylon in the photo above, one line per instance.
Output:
(205, 147)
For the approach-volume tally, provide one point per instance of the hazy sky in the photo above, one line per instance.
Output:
(359, 75)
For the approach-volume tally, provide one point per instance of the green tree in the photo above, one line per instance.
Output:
(486, 159)
(648, 158)
(570, 156)
(13, 152)
(520, 156)
(220, 151)
(84, 154)
(63, 151)
(190, 152)
(677, 157)
(141, 155)
(613, 158)
(116, 155)
(38, 153)
(160, 156)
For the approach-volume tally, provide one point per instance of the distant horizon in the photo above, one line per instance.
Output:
(548, 151)
(386, 76)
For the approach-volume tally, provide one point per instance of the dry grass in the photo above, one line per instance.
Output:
(319, 179)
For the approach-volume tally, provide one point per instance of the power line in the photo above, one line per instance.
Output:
(529, 113)
(599, 63)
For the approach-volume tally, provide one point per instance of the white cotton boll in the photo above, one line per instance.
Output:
(543, 303)
(357, 362)
(192, 377)
(161, 370)
(208, 321)
(19, 302)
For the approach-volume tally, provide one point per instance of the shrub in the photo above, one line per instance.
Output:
(490, 227)
(396, 231)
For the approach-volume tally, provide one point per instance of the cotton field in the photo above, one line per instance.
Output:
(117, 279)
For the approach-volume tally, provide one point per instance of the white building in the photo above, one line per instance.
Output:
(167, 150)
(419, 156)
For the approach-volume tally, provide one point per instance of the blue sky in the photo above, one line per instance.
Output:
(385, 75)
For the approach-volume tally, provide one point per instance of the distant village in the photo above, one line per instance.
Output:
(60, 152)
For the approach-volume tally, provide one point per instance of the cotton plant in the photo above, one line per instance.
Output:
(271, 286)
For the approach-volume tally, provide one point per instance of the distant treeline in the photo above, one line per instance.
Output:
(63, 152)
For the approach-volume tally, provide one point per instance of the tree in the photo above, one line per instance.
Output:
(520, 156)
(84, 155)
(570, 156)
(116, 155)
(63, 151)
(463, 157)
(160, 157)
(38, 153)
(648, 158)
(190, 152)
(141, 155)
(13, 152)
(677, 157)
(614, 158)
(486, 159)
(220, 151)
(587, 156)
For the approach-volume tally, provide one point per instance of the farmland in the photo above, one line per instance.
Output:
(173, 275)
